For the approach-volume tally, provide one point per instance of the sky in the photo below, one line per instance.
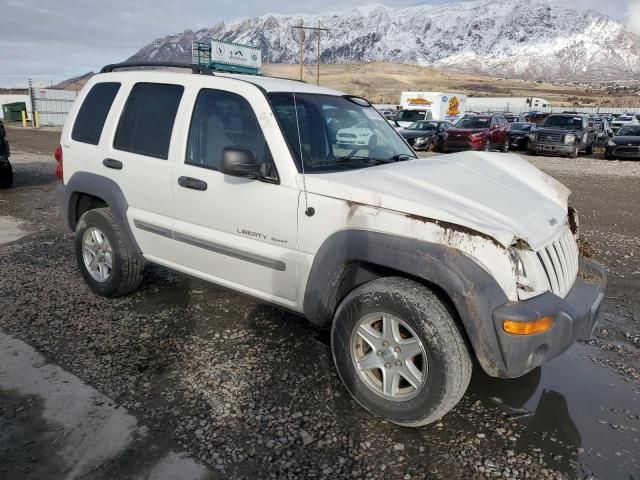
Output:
(51, 41)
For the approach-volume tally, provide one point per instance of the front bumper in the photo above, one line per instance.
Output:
(519, 142)
(463, 145)
(575, 318)
(564, 149)
(623, 152)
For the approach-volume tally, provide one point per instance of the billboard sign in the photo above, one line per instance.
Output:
(235, 54)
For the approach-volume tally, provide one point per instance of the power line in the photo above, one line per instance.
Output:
(301, 30)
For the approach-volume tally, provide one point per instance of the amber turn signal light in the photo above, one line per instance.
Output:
(527, 328)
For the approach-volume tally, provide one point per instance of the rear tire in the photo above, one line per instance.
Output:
(111, 270)
(505, 147)
(374, 372)
(589, 150)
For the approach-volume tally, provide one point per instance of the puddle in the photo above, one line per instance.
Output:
(583, 417)
(10, 230)
(91, 432)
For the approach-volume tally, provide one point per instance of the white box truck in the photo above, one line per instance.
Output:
(429, 106)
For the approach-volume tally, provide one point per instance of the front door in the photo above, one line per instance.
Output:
(237, 232)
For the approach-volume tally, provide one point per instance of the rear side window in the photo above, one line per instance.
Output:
(147, 120)
(93, 113)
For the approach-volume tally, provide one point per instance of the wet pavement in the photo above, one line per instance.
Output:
(584, 416)
(250, 391)
(55, 426)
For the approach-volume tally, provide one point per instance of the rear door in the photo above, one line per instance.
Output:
(137, 157)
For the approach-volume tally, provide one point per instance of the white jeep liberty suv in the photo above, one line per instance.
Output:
(417, 265)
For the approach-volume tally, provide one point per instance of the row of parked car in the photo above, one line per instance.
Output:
(567, 134)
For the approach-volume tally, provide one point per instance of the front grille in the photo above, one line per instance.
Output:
(550, 138)
(559, 261)
(347, 135)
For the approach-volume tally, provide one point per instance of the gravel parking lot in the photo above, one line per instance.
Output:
(250, 391)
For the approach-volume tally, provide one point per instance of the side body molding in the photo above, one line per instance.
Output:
(97, 186)
(475, 294)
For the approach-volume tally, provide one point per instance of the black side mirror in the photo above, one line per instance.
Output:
(239, 162)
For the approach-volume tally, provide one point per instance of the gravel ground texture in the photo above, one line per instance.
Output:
(251, 390)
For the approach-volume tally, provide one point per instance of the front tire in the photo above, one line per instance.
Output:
(589, 150)
(399, 352)
(105, 262)
(575, 151)
(6, 174)
(505, 147)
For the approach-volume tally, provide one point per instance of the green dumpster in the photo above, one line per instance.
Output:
(12, 111)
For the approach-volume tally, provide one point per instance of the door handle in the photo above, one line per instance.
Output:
(111, 163)
(192, 183)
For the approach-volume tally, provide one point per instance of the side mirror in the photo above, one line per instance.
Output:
(239, 162)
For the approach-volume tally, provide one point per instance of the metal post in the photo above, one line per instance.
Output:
(302, 39)
(32, 96)
(318, 70)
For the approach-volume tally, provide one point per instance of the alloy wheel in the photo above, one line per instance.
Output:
(97, 254)
(389, 357)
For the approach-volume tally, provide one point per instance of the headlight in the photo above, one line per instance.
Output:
(517, 263)
(569, 138)
(611, 143)
(532, 137)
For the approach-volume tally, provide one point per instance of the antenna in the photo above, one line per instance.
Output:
(309, 211)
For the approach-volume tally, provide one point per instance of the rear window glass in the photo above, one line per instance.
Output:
(93, 113)
(147, 120)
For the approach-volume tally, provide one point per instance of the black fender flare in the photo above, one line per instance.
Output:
(474, 292)
(96, 186)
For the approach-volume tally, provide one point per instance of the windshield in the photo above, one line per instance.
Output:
(423, 126)
(629, 132)
(521, 126)
(336, 133)
(562, 122)
(412, 115)
(474, 122)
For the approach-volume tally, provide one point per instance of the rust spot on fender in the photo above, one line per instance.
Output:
(522, 245)
(452, 227)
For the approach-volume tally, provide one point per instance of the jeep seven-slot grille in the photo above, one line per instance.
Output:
(550, 138)
(559, 261)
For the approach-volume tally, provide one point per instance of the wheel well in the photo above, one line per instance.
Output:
(358, 273)
(82, 203)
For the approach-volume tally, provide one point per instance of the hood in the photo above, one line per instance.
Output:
(416, 133)
(497, 194)
(626, 140)
(518, 133)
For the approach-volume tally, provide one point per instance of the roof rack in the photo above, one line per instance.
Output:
(197, 69)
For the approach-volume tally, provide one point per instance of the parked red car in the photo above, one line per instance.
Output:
(478, 132)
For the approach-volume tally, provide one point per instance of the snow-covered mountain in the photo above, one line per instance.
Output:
(507, 38)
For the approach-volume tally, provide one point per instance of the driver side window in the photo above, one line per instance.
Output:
(222, 119)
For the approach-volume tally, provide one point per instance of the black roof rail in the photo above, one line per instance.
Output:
(198, 69)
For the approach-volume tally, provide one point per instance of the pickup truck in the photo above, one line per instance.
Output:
(563, 134)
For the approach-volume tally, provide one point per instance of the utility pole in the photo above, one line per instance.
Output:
(301, 29)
